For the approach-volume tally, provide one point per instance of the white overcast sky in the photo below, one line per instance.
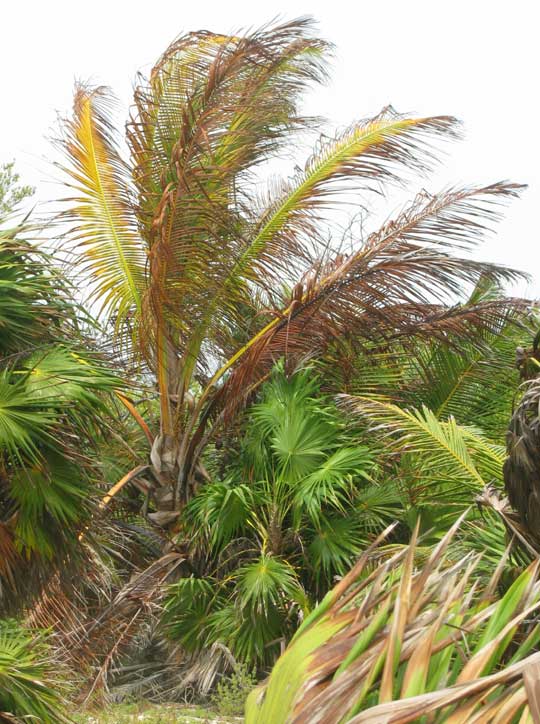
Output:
(475, 59)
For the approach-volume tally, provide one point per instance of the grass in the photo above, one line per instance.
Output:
(153, 714)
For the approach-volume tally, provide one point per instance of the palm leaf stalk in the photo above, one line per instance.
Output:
(196, 270)
(398, 641)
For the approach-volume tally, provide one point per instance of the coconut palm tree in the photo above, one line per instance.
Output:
(208, 279)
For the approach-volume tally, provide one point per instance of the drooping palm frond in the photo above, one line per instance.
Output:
(376, 150)
(285, 235)
(108, 634)
(400, 641)
(104, 226)
(211, 97)
(214, 107)
(473, 381)
(401, 284)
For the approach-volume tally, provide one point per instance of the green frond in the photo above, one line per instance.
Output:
(69, 379)
(187, 610)
(263, 583)
(221, 511)
(30, 688)
(334, 482)
(370, 151)
(51, 500)
(33, 296)
(438, 451)
(24, 420)
(334, 545)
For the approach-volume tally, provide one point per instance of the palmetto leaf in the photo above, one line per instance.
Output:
(32, 295)
(52, 497)
(221, 509)
(29, 688)
(263, 583)
(24, 421)
(104, 224)
(335, 543)
(70, 381)
(331, 483)
(187, 610)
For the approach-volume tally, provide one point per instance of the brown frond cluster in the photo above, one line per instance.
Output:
(396, 286)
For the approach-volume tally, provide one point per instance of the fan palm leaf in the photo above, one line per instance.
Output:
(29, 687)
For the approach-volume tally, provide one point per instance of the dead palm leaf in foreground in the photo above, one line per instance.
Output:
(395, 643)
(211, 282)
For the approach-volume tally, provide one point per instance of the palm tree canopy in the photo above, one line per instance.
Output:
(180, 237)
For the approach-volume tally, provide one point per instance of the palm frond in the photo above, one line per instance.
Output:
(376, 150)
(333, 546)
(30, 688)
(33, 296)
(439, 451)
(24, 420)
(215, 106)
(401, 284)
(52, 500)
(333, 481)
(104, 230)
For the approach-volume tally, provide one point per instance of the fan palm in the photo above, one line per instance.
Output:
(293, 512)
(210, 281)
(29, 686)
(52, 396)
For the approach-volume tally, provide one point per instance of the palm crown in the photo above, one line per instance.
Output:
(209, 281)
